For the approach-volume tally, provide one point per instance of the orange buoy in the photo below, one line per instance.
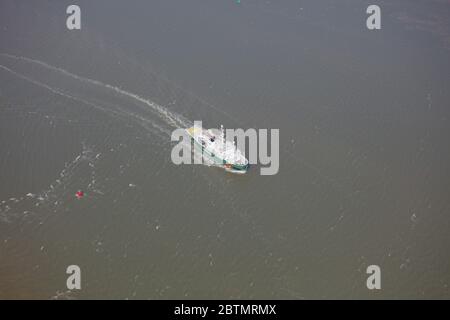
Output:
(79, 194)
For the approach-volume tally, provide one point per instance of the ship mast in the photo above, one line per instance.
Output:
(222, 136)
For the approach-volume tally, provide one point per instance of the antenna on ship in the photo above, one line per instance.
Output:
(222, 136)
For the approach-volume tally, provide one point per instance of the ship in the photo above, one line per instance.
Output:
(217, 149)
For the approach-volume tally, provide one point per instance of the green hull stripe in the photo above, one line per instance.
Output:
(219, 160)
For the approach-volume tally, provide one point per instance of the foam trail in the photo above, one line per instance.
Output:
(36, 207)
(171, 118)
(96, 106)
(55, 91)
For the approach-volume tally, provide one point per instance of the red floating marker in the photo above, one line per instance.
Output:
(79, 194)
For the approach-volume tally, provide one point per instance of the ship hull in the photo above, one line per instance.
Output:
(231, 167)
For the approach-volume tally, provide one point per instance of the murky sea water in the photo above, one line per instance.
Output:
(364, 173)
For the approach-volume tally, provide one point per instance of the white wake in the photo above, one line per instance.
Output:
(173, 119)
